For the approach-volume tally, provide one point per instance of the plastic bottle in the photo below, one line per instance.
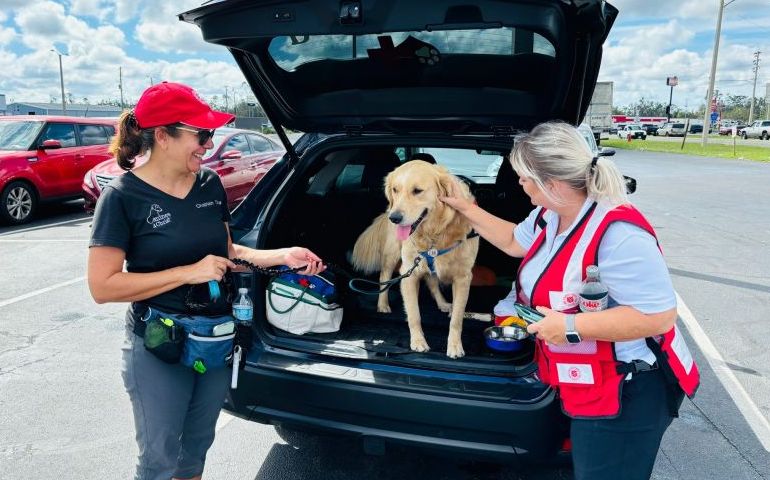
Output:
(594, 295)
(243, 308)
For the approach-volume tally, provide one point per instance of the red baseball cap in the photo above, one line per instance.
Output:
(167, 103)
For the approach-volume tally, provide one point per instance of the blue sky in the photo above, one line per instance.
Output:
(651, 40)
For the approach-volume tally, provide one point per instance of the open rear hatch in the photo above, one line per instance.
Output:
(468, 67)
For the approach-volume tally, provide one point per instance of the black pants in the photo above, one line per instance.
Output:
(624, 447)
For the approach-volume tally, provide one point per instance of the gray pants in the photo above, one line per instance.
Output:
(175, 412)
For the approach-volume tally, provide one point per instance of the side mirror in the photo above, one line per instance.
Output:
(50, 144)
(231, 155)
(630, 184)
(606, 152)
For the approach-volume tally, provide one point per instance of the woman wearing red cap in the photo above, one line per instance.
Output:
(167, 220)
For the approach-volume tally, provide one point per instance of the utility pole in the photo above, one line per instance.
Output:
(61, 79)
(754, 90)
(712, 75)
(120, 86)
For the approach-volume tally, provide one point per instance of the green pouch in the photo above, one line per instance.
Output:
(164, 338)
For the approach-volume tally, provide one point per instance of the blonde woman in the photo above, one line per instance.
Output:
(621, 371)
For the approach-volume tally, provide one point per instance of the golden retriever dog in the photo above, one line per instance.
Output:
(418, 224)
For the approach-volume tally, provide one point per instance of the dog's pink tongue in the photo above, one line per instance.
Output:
(402, 233)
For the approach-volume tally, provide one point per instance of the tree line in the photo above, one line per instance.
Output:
(244, 108)
(734, 107)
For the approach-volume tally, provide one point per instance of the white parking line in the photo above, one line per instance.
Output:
(223, 420)
(42, 290)
(38, 227)
(743, 401)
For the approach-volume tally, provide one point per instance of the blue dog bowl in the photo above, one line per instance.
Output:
(505, 339)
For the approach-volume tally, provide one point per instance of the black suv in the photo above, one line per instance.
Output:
(372, 84)
(650, 128)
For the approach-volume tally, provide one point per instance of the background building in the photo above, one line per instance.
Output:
(599, 114)
(73, 109)
(2, 104)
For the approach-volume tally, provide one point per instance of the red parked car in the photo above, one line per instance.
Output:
(240, 157)
(44, 158)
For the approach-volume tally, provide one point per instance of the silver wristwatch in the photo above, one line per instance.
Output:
(572, 335)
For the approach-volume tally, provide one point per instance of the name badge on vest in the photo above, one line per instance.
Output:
(563, 301)
(575, 373)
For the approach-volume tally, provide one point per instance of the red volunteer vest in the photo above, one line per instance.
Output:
(586, 374)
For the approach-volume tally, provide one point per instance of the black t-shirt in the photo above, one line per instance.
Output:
(158, 231)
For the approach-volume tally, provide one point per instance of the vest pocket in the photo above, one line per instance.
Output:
(600, 399)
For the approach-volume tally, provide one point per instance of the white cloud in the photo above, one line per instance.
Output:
(655, 39)
(95, 55)
(10, 5)
(699, 10)
(3, 16)
(124, 10)
(7, 35)
(86, 7)
(159, 30)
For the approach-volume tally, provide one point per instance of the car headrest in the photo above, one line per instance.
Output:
(426, 157)
(378, 164)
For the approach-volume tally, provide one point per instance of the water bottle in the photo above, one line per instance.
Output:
(594, 295)
(243, 309)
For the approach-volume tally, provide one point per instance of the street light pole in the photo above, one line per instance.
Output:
(61, 79)
(120, 86)
(710, 93)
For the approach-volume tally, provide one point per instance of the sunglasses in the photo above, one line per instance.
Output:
(203, 135)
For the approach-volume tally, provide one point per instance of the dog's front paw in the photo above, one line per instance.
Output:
(383, 308)
(418, 344)
(445, 307)
(454, 349)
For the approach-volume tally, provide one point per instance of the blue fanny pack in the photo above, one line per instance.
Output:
(190, 339)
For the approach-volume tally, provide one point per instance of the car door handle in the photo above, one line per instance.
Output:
(79, 156)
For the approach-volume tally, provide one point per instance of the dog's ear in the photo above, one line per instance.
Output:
(446, 182)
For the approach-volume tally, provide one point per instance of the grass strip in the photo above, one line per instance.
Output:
(742, 152)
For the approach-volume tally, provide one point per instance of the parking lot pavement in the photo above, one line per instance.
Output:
(65, 415)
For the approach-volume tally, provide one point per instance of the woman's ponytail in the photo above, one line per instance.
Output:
(129, 141)
(605, 182)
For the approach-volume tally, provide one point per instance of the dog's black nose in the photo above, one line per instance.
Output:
(396, 217)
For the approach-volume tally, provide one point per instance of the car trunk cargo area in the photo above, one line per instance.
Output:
(326, 210)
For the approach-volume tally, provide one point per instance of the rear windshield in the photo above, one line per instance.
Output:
(290, 52)
(18, 135)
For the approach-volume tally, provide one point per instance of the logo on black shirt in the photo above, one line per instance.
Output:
(157, 218)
